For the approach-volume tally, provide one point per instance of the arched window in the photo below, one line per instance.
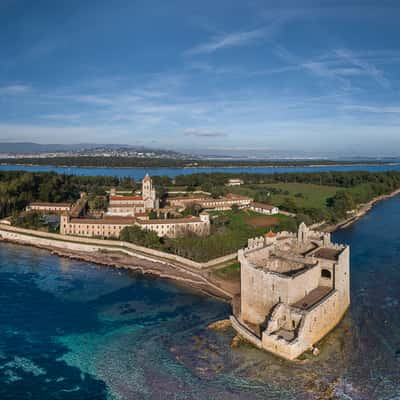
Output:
(326, 274)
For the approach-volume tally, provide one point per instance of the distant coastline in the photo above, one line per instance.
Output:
(128, 163)
(201, 166)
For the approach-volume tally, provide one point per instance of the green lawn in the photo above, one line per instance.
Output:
(230, 231)
(247, 221)
(303, 194)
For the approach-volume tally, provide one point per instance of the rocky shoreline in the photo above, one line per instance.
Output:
(197, 281)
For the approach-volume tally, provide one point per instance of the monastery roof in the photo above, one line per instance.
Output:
(104, 221)
(48, 204)
(121, 205)
(169, 221)
(262, 205)
(234, 196)
(228, 197)
(120, 198)
(190, 198)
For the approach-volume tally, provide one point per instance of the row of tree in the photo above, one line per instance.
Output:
(340, 179)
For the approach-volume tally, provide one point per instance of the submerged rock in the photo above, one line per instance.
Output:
(236, 341)
(220, 326)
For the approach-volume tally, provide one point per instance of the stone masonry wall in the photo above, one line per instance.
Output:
(88, 244)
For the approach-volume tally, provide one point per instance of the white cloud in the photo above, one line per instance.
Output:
(14, 90)
(63, 117)
(368, 68)
(233, 39)
(203, 133)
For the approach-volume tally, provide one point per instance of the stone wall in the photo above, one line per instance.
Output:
(87, 244)
(259, 292)
(315, 324)
(269, 297)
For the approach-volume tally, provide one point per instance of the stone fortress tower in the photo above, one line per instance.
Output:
(294, 290)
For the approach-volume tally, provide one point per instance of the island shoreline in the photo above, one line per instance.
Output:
(177, 275)
(195, 281)
(361, 212)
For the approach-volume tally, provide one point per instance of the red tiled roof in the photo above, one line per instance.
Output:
(105, 220)
(122, 205)
(237, 197)
(169, 221)
(270, 234)
(189, 198)
(47, 204)
(263, 206)
(120, 198)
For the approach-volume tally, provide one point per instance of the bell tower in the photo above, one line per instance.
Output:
(149, 193)
(147, 187)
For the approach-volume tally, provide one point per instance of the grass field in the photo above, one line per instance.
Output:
(250, 221)
(230, 231)
(302, 194)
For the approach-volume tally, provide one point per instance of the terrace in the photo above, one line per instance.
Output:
(312, 298)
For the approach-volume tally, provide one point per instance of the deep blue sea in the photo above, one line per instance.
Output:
(74, 330)
(139, 173)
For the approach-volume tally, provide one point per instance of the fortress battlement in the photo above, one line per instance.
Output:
(295, 288)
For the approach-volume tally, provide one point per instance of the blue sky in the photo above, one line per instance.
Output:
(320, 78)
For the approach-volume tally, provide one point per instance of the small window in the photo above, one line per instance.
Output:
(326, 274)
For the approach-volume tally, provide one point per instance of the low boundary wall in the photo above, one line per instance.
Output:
(86, 244)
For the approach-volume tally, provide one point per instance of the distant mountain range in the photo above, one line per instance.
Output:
(28, 147)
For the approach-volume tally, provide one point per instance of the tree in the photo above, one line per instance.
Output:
(289, 205)
(340, 203)
(134, 234)
(192, 209)
(153, 214)
(31, 220)
(98, 203)
(217, 192)
(235, 208)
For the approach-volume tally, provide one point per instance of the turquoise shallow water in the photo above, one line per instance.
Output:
(73, 330)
